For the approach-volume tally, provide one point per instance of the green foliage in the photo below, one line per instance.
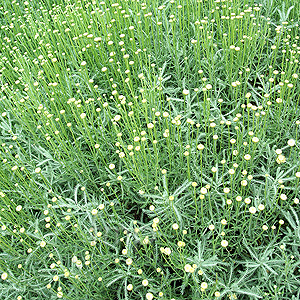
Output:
(149, 150)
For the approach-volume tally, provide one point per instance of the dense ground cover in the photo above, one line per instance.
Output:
(149, 150)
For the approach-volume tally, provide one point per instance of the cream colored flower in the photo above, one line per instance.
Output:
(37, 170)
(167, 251)
(261, 207)
(185, 92)
(247, 157)
(145, 282)
(149, 296)
(226, 190)
(244, 182)
(223, 222)
(175, 226)
(283, 197)
(187, 267)
(280, 159)
(94, 212)
(203, 191)
(181, 244)
(204, 285)
(224, 243)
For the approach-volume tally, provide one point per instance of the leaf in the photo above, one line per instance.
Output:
(247, 292)
(183, 187)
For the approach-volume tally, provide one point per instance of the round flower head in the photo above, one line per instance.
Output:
(187, 268)
(281, 159)
(224, 243)
(149, 296)
(94, 212)
(247, 200)
(247, 157)
(19, 208)
(4, 276)
(283, 197)
(261, 207)
(214, 169)
(203, 191)
(181, 244)
(129, 287)
(185, 92)
(223, 222)
(226, 190)
(252, 210)
(167, 251)
(204, 285)
(37, 170)
(244, 182)
(145, 282)
(200, 147)
(239, 198)
(291, 142)
(175, 226)
(211, 227)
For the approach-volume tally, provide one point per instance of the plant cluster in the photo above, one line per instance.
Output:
(149, 150)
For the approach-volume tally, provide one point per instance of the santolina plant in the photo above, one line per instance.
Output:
(149, 150)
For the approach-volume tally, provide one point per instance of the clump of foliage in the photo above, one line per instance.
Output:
(149, 150)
